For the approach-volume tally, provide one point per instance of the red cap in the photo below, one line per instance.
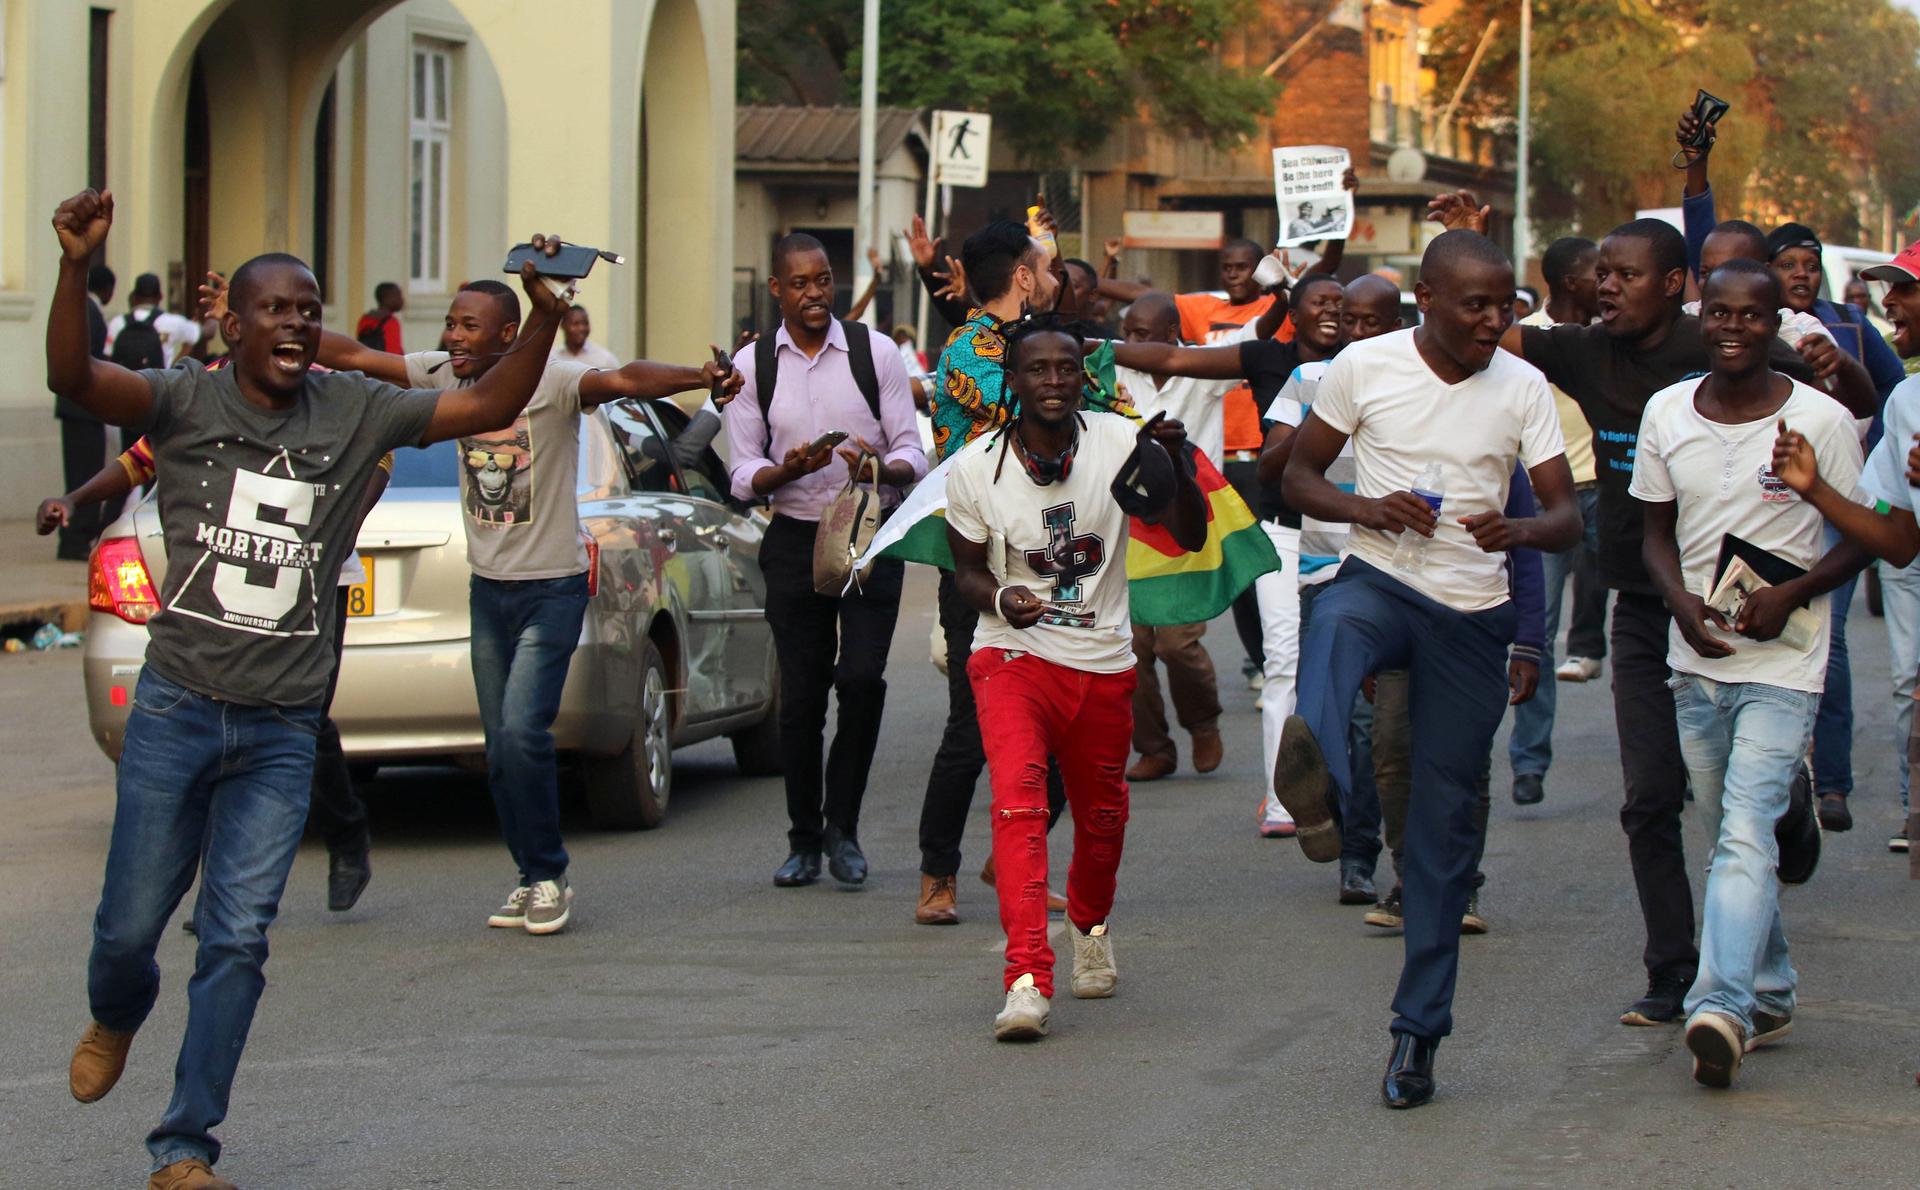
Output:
(1904, 267)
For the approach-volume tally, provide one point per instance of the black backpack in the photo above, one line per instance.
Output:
(138, 344)
(766, 369)
(375, 336)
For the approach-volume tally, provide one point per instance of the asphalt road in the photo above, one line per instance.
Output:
(698, 1027)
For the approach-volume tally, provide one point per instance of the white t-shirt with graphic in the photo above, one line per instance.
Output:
(1065, 541)
(1400, 416)
(1722, 478)
(518, 486)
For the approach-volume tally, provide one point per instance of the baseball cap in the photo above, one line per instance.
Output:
(1902, 268)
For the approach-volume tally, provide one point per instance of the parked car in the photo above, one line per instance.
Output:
(675, 648)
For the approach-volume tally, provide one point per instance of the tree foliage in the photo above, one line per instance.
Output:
(1057, 75)
(1826, 102)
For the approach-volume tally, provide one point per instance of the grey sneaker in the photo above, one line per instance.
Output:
(1470, 921)
(1388, 914)
(1025, 1016)
(513, 914)
(1093, 971)
(549, 906)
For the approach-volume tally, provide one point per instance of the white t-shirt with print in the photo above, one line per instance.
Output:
(1200, 405)
(1721, 477)
(519, 486)
(1065, 541)
(1401, 416)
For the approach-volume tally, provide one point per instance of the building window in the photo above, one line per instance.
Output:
(429, 164)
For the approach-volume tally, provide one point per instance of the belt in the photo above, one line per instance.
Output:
(1586, 485)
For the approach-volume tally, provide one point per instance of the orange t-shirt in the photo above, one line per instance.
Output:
(1205, 318)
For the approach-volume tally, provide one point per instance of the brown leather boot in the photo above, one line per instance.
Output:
(97, 1062)
(1207, 749)
(191, 1174)
(936, 902)
(1152, 768)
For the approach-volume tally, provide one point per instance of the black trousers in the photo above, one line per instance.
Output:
(826, 644)
(337, 812)
(83, 452)
(1656, 783)
(1245, 478)
(958, 761)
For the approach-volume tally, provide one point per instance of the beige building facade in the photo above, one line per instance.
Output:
(380, 140)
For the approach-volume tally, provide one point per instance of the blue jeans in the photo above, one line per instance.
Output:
(1358, 814)
(1833, 728)
(225, 785)
(524, 635)
(1900, 595)
(1367, 621)
(1742, 741)
(1530, 747)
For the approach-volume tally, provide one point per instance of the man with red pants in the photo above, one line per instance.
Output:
(1039, 543)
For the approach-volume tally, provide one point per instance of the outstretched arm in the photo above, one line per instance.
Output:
(646, 379)
(498, 397)
(1167, 359)
(106, 390)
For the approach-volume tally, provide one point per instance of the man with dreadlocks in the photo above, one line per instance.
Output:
(1039, 549)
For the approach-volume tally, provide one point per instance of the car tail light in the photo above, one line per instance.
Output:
(117, 581)
(593, 563)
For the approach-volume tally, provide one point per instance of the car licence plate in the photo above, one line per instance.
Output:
(360, 594)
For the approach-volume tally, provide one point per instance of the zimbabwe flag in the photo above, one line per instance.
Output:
(1165, 584)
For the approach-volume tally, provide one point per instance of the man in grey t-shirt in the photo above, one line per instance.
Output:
(261, 469)
(529, 589)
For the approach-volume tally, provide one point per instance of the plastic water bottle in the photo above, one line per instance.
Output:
(1410, 556)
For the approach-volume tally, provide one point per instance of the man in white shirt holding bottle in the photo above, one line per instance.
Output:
(1424, 588)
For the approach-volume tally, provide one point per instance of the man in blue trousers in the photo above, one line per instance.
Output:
(1423, 589)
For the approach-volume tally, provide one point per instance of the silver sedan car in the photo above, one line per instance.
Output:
(675, 648)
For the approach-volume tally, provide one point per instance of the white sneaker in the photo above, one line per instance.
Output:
(513, 914)
(1025, 1016)
(1093, 971)
(1578, 669)
(550, 906)
(1257, 680)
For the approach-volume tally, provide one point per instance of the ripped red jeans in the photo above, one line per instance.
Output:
(1030, 709)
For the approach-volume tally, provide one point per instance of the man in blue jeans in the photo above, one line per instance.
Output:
(1747, 672)
(528, 593)
(261, 468)
(1571, 265)
(1423, 589)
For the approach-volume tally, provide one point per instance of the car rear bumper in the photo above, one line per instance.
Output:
(395, 702)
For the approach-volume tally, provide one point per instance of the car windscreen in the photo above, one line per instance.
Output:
(436, 466)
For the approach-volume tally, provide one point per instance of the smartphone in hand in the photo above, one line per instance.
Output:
(826, 441)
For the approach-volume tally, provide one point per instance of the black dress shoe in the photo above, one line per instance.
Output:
(1409, 1081)
(1356, 884)
(845, 859)
(801, 868)
(1528, 789)
(347, 876)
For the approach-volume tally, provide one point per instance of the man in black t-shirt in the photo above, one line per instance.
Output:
(1642, 344)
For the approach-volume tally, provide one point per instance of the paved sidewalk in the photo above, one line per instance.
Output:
(35, 586)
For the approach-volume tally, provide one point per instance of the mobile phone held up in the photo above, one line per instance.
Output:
(1707, 109)
(571, 263)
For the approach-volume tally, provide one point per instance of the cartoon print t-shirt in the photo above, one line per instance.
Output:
(517, 485)
(259, 509)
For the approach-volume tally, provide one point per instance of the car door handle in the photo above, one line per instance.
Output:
(666, 536)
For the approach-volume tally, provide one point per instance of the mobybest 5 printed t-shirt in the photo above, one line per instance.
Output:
(1065, 541)
(518, 485)
(1721, 476)
(1400, 416)
(259, 508)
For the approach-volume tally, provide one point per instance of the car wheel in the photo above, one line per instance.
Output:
(756, 750)
(629, 791)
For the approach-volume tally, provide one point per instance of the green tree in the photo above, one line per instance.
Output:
(1056, 74)
(1826, 101)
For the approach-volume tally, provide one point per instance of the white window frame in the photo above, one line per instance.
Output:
(430, 99)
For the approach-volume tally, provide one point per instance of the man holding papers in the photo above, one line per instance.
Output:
(1744, 696)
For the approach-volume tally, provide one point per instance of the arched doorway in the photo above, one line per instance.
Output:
(678, 215)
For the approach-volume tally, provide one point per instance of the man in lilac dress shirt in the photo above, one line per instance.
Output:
(822, 642)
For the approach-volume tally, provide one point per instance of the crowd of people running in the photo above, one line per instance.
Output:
(1685, 422)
